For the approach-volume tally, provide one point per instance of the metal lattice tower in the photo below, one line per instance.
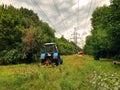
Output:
(75, 36)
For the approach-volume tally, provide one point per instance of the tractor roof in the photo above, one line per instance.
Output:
(50, 44)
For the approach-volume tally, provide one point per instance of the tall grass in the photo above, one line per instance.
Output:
(76, 73)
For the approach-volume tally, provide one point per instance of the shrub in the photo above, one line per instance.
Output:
(116, 57)
(12, 56)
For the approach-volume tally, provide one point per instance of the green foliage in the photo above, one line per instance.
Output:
(29, 18)
(104, 41)
(13, 26)
(114, 24)
(67, 47)
(12, 56)
(98, 42)
(21, 29)
(88, 48)
(116, 57)
(10, 27)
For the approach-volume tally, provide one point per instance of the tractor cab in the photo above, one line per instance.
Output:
(50, 47)
(50, 55)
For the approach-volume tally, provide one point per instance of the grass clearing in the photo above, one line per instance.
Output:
(76, 73)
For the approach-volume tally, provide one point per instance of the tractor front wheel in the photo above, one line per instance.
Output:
(58, 62)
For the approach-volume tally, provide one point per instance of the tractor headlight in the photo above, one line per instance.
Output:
(55, 55)
(49, 54)
(42, 56)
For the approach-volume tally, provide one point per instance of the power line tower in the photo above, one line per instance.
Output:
(75, 36)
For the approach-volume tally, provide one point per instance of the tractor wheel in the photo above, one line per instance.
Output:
(58, 62)
(61, 61)
(42, 61)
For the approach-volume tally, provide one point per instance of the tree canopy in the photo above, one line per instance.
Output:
(22, 35)
(104, 41)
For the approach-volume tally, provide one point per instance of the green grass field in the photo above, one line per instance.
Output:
(76, 73)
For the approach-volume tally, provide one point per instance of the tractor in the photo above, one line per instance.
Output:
(50, 55)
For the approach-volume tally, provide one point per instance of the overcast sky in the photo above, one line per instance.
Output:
(63, 15)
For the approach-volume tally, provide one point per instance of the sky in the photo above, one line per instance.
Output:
(67, 17)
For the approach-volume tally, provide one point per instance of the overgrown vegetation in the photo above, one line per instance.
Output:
(77, 73)
(104, 41)
(105, 80)
(22, 35)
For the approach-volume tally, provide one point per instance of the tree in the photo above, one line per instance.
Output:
(10, 28)
(88, 48)
(30, 44)
(67, 47)
(106, 30)
(98, 43)
(114, 26)
(22, 35)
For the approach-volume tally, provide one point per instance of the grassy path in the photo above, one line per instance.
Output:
(76, 73)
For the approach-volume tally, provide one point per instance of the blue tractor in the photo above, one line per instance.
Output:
(50, 55)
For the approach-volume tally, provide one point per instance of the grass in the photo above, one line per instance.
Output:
(76, 73)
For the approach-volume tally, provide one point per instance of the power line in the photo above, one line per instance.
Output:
(71, 14)
(75, 34)
(58, 11)
(95, 4)
(37, 6)
(42, 12)
(78, 14)
(89, 11)
(66, 18)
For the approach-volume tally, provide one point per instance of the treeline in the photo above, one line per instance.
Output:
(22, 35)
(105, 38)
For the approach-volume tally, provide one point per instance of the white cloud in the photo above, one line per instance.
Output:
(62, 15)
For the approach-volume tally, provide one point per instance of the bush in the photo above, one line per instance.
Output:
(116, 57)
(12, 56)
